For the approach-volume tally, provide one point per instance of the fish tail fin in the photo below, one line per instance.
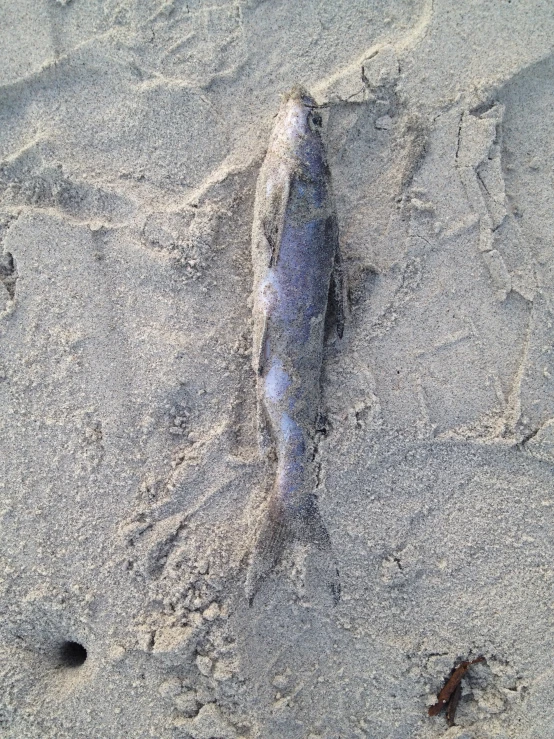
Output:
(268, 550)
(311, 530)
(281, 527)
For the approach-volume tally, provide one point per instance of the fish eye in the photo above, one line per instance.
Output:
(316, 120)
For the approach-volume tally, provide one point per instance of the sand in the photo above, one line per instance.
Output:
(131, 135)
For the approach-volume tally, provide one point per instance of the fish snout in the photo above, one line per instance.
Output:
(300, 113)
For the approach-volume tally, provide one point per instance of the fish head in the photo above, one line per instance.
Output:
(299, 115)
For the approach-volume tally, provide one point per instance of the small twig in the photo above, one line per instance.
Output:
(450, 694)
(453, 704)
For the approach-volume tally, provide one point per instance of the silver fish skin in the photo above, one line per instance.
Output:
(297, 277)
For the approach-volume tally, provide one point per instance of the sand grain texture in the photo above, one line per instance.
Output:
(131, 135)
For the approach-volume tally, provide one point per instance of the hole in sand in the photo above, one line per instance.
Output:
(72, 654)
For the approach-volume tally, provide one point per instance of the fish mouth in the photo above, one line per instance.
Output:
(301, 95)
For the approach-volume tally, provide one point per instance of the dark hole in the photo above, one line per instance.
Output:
(72, 654)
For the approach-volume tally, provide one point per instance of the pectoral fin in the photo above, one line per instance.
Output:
(274, 218)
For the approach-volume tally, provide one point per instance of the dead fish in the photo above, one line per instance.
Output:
(297, 279)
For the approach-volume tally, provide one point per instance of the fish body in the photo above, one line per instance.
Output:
(297, 275)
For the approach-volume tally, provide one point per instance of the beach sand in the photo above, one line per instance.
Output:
(131, 136)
